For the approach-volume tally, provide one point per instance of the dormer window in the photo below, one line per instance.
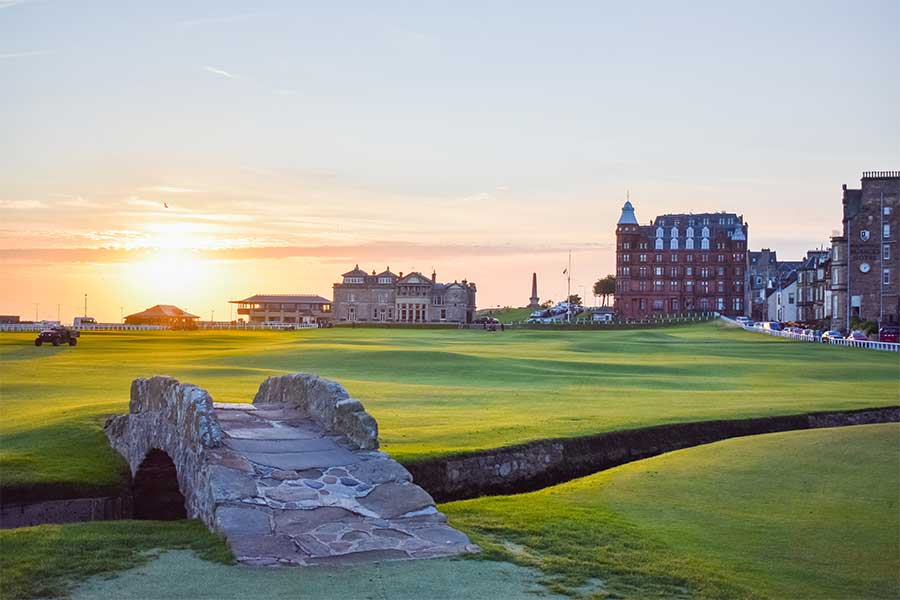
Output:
(659, 232)
(659, 243)
(387, 280)
(705, 232)
(353, 279)
(673, 244)
(674, 232)
(690, 232)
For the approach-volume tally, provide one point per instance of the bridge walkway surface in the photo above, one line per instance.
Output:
(294, 478)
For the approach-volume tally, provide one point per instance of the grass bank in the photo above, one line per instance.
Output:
(807, 514)
(49, 560)
(433, 392)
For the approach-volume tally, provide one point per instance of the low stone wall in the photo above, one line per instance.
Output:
(535, 465)
(74, 510)
(178, 419)
(326, 402)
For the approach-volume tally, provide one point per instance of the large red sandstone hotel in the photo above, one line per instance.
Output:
(682, 263)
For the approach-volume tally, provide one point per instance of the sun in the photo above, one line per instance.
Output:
(170, 273)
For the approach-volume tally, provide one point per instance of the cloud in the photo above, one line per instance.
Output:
(22, 204)
(371, 252)
(23, 53)
(168, 189)
(187, 24)
(220, 72)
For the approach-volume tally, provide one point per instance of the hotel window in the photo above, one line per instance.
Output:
(626, 271)
(642, 258)
(887, 231)
(674, 305)
(642, 303)
(887, 277)
(659, 243)
(887, 211)
(643, 245)
(658, 271)
(689, 244)
(627, 245)
(384, 280)
(659, 258)
(689, 271)
(704, 272)
(689, 258)
(673, 285)
(443, 314)
(704, 244)
(674, 258)
(720, 303)
(626, 258)
(886, 252)
(658, 304)
(643, 272)
(673, 244)
(674, 271)
(642, 286)
(738, 304)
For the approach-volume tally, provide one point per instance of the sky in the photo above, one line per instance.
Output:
(192, 153)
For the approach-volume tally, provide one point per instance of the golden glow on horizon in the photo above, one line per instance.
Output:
(168, 273)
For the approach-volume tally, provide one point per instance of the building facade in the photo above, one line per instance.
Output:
(295, 309)
(767, 274)
(681, 263)
(813, 291)
(781, 301)
(394, 298)
(865, 261)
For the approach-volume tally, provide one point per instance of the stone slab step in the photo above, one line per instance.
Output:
(297, 461)
(281, 446)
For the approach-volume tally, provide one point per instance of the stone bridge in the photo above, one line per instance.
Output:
(294, 478)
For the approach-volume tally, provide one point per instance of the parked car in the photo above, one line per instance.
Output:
(831, 334)
(889, 333)
(57, 336)
(771, 325)
(742, 319)
(858, 336)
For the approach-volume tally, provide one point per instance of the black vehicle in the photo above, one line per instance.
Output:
(57, 336)
(486, 321)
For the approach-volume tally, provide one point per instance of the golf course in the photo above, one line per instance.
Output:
(795, 514)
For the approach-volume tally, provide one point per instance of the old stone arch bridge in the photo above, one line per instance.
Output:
(294, 478)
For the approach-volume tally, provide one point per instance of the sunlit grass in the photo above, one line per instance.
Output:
(433, 391)
(807, 514)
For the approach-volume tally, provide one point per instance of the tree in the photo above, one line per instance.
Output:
(605, 287)
(575, 299)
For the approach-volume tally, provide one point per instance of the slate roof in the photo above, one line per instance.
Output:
(163, 310)
(356, 272)
(288, 298)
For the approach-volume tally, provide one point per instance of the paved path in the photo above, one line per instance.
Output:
(296, 494)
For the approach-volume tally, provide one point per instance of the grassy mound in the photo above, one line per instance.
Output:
(807, 514)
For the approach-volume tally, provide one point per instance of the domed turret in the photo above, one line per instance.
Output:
(627, 217)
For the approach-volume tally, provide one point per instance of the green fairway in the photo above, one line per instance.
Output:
(433, 391)
(806, 514)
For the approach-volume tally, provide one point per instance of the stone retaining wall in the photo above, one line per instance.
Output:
(535, 465)
(326, 401)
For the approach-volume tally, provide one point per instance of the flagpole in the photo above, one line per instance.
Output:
(569, 289)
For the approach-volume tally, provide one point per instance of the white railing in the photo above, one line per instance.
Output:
(12, 327)
(815, 339)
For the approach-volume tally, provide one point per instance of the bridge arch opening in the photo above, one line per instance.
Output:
(155, 489)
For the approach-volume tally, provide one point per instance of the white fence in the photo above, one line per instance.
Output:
(866, 344)
(91, 327)
(35, 327)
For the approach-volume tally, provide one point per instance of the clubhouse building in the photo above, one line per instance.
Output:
(397, 298)
(294, 309)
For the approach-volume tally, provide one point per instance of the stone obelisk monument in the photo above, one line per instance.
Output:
(535, 301)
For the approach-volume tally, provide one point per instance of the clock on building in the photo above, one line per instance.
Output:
(864, 267)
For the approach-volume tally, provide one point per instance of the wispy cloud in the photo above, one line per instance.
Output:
(189, 23)
(5, 55)
(221, 72)
(168, 189)
(22, 204)
(10, 3)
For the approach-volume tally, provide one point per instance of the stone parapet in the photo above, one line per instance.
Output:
(326, 402)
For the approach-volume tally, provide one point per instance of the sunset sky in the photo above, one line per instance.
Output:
(485, 140)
